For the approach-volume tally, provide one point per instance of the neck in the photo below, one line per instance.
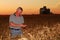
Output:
(16, 14)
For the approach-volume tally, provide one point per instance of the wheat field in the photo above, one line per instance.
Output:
(39, 28)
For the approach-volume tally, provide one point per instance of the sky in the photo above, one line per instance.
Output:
(8, 7)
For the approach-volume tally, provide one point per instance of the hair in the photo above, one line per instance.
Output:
(20, 8)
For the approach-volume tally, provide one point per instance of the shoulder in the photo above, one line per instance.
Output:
(11, 15)
(22, 17)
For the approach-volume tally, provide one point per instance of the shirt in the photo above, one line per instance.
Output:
(16, 20)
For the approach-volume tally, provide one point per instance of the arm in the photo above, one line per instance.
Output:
(13, 24)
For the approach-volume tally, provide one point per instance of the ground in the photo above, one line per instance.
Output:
(40, 27)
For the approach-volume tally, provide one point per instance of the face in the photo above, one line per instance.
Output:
(19, 11)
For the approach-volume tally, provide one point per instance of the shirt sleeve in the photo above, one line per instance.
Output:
(11, 18)
(22, 19)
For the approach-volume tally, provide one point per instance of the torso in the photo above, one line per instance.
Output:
(17, 20)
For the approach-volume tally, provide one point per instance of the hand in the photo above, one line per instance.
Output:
(24, 25)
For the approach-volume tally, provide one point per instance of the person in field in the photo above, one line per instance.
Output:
(16, 22)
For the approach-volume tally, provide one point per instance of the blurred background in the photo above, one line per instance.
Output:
(41, 16)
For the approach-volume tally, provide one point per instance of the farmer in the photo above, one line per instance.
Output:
(16, 21)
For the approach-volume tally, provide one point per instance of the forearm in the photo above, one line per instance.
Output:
(22, 25)
(13, 24)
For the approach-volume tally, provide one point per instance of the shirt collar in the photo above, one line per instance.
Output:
(15, 14)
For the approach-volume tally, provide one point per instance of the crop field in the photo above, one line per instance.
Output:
(40, 27)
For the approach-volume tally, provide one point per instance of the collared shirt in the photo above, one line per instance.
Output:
(16, 20)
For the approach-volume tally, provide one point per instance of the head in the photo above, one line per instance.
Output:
(19, 11)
